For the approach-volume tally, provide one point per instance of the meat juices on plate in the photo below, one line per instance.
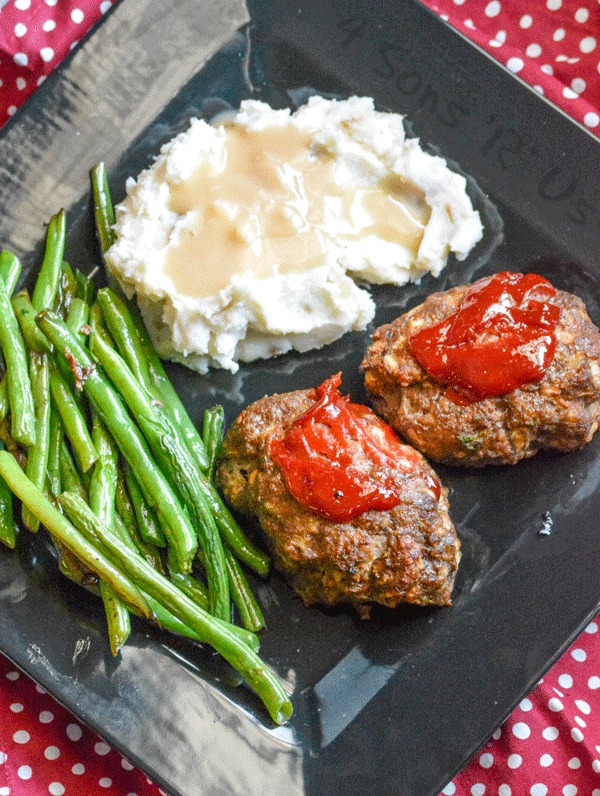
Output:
(407, 553)
(559, 409)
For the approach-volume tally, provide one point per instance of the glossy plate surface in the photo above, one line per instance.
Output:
(398, 704)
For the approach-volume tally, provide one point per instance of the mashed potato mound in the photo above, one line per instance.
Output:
(257, 314)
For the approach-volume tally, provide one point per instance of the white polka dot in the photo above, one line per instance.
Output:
(78, 769)
(500, 36)
(468, 23)
(583, 706)
(128, 767)
(450, 789)
(51, 2)
(105, 782)
(77, 15)
(24, 772)
(46, 54)
(73, 44)
(497, 734)
(41, 79)
(596, 792)
(539, 789)
(546, 760)
(578, 85)
(594, 681)
(581, 15)
(22, 5)
(49, 25)
(580, 721)
(11, 110)
(587, 45)
(555, 704)
(569, 790)
(56, 789)
(553, 5)
(596, 766)
(576, 735)
(521, 730)
(547, 69)
(592, 627)
(6, 791)
(21, 83)
(74, 732)
(569, 93)
(21, 736)
(504, 790)
(526, 21)
(478, 789)
(550, 733)
(102, 748)
(46, 716)
(559, 34)
(574, 762)
(105, 6)
(51, 752)
(514, 761)
(16, 707)
(3, 758)
(515, 64)
(20, 30)
(486, 760)
(533, 50)
(526, 704)
(40, 690)
(492, 9)
(12, 675)
(565, 681)
(20, 59)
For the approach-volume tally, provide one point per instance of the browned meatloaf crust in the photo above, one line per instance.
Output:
(561, 411)
(407, 554)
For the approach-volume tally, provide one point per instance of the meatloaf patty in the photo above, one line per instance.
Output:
(405, 554)
(560, 412)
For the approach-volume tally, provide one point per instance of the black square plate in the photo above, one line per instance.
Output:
(396, 705)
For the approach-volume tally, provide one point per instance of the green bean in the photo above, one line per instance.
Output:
(85, 288)
(134, 344)
(212, 436)
(146, 521)
(73, 421)
(175, 460)
(8, 528)
(37, 460)
(25, 315)
(234, 537)
(20, 397)
(250, 612)
(103, 486)
(4, 407)
(65, 292)
(192, 587)
(103, 207)
(77, 317)
(54, 440)
(10, 270)
(156, 489)
(215, 632)
(63, 530)
(49, 276)
(69, 475)
(72, 568)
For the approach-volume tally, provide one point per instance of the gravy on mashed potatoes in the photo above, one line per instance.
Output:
(242, 239)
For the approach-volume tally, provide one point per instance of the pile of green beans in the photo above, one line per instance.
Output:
(99, 449)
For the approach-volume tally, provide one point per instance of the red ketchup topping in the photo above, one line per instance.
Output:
(340, 459)
(501, 337)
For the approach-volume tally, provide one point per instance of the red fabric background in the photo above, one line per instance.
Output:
(550, 746)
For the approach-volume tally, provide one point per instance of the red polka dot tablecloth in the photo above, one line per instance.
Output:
(550, 746)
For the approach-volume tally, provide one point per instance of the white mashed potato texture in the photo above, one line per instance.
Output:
(257, 316)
